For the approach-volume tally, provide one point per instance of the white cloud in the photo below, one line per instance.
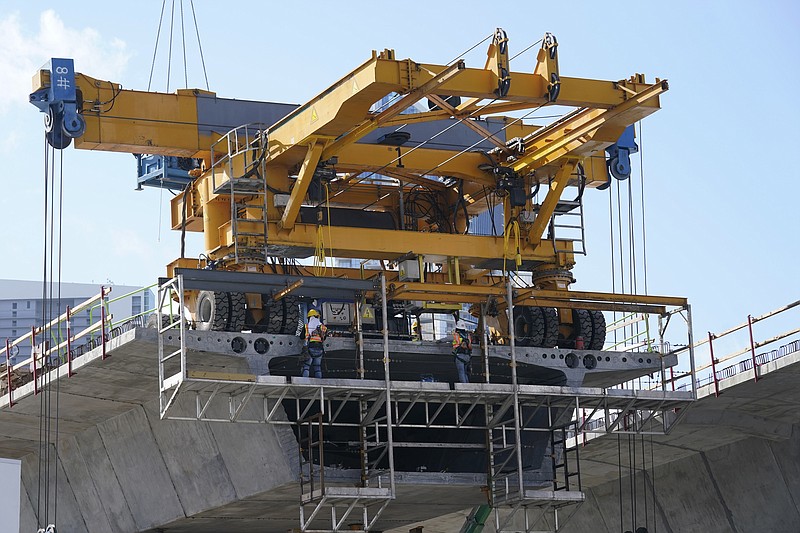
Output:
(23, 51)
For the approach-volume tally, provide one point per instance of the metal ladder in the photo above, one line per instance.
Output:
(560, 454)
(374, 448)
(364, 503)
(505, 477)
(247, 187)
(574, 210)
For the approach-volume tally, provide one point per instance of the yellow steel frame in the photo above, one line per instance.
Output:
(331, 124)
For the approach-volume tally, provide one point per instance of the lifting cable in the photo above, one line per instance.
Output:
(199, 46)
(620, 212)
(51, 310)
(169, 54)
(644, 225)
(183, 44)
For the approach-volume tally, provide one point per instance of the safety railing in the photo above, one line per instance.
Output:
(56, 343)
(107, 303)
(635, 330)
(245, 145)
(740, 360)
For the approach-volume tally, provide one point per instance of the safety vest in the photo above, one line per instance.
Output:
(461, 342)
(318, 335)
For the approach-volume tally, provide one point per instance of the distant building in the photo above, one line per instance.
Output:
(22, 307)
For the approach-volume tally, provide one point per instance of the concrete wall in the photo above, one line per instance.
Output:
(135, 472)
(752, 485)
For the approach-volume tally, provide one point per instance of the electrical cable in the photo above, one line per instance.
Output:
(490, 210)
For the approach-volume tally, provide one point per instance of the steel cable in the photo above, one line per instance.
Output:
(183, 45)
(473, 113)
(155, 49)
(199, 46)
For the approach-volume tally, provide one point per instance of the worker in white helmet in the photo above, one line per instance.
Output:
(462, 350)
(314, 350)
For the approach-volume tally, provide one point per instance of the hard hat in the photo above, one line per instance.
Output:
(461, 325)
(312, 312)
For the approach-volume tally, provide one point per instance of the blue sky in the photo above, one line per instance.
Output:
(721, 215)
(721, 185)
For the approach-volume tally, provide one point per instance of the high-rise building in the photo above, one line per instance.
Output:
(24, 305)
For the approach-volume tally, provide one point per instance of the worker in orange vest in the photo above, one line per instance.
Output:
(462, 350)
(314, 350)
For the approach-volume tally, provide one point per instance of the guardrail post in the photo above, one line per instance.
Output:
(103, 320)
(8, 373)
(70, 373)
(33, 357)
(583, 425)
(713, 363)
(752, 347)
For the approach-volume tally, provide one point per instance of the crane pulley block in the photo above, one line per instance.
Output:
(61, 101)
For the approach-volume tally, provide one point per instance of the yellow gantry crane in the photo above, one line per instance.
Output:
(354, 173)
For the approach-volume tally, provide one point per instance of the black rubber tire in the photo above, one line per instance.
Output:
(238, 308)
(581, 327)
(550, 327)
(291, 314)
(522, 326)
(273, 315)
(537, 326)
(280, 317)
(598, 330)
(212, 311)
(152, 321)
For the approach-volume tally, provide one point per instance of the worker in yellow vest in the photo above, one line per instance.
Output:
(314, 350)
(462, 350)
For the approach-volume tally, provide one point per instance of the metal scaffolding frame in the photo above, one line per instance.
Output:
(386, 404)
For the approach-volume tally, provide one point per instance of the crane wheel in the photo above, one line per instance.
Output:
(152, 321)
(551, 323)
(238, 311)
(522, 326)
(581, 327)
(598, 330)
(281, 316)
(538, 326)
(212, 311)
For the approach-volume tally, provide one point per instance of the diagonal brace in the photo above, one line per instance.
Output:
(557, 186)
(301, 185)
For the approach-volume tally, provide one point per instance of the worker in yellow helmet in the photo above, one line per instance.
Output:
(314, 350)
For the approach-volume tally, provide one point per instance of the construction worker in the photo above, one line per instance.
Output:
(462, 350)
(314, 350)
(416, 331)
